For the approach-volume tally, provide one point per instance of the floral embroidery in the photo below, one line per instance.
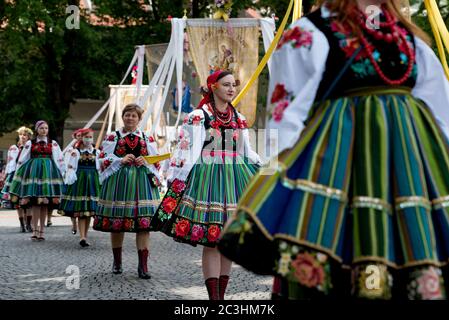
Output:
(306, 267)
(213, 233)
(169, 204)
(297, 37)
(280, 100)
(178, 186)
(197, 233)
(182, 228)
(426, 284)
(120, 225)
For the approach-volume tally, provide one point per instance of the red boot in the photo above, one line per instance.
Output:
(212, 288)
(142, 270)
(117, 265)
(222, 284)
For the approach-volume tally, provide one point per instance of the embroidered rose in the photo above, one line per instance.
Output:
(178, 186)
(196, 120)
(181, 134)
(197, 233)
(101, 156)
(111, 137)
(429, 285)
(151, 139)
(169, 204)
(215, 124)
(128, 224)
(106, 163)
(234, 125)
(117, 224)
(105, 223)
(297, 36)
(173, 163)
(182, 228)
(279, 93)
(184, 144)
(121, 142)
(121, 151)
(144, 151)
(242, 123)
(278, 112)
(143, 143)
(144, 223)
(213, 233)
(308, 271)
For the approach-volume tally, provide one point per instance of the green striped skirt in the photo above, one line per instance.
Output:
(127, 202)
(195, 212)
(37, 178)
(80, 198)
(359, 206)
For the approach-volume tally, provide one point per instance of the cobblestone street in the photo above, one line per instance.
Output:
(37, 270)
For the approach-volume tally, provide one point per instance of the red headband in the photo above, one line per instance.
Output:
(207, 96)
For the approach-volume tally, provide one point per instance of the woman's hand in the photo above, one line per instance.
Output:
(128, 159)
(140, 161)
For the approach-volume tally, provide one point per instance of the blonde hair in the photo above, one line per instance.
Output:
(26, 130)
(344, 8)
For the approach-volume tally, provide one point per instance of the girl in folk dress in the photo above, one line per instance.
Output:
(83, 186)
(38, 178)
(209, 171)
(362, 185)
(14, 152)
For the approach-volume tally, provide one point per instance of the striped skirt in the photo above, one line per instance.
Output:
(5, 191)
(37, 178)
(80, 198)
(195, 212)
(359, 206)
(127, 202)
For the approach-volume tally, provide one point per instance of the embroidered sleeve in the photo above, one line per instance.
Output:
(188, 150)
(13, 154)
(297, 68)
(245, 148)
(432, 86)
(57, 157)
(25, 155)
(108, 162)
(71, 161)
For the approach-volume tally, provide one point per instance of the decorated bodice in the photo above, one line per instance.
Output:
(87, 159)
(130, 144)
(221, 137)
(41, 149)
(376, 59)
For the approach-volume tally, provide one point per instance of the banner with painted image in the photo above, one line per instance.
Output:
(231, 45)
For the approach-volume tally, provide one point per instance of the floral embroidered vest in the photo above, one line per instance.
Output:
(41, 149)
(342, 44)
(130, 144)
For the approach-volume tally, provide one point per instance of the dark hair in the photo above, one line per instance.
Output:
(132, 107)
(224, 74)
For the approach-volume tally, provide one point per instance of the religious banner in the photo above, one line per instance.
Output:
(232, 46)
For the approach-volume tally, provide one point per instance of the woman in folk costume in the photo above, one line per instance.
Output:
(66, 153)
(38, 180)
(79, 200)
(14, 152)
(129, 195)
(361, 190)
(209, 170)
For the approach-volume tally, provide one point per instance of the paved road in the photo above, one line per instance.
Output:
(37, 270)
